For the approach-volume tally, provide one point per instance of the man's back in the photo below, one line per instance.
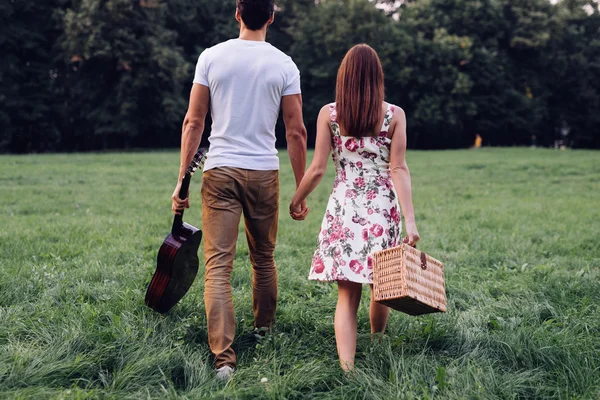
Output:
(246, 80)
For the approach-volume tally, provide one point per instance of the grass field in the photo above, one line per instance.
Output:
(518, 229)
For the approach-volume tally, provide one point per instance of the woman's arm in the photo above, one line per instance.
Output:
(317, 168)
(401, 175)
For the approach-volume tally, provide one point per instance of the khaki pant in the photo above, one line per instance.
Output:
(226, 193)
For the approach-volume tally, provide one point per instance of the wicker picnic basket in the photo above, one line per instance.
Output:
(408, 280)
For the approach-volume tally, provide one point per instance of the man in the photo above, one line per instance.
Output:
(246, 81)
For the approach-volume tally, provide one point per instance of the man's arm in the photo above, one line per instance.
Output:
(191, 136)
(295, 134)
(193, 125)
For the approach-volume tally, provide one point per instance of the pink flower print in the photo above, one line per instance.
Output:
(351, 193)
(369, 155)
(318, 265)
(362, 143)
(377, 230)
(333, 237)
(370, 262)
(371, 194)
(351, 145)
(370, 211)
(326, 243)
(381, 181)
(395, 214)
(358, 220)
(343, 175)
(356, 266)
(337, 141)
(329, 217)
(365, 234)
(337, 251)
(381, 140)
(392, 216)
(359, 164)
(349, 233)
(335, 274)
(359, 183)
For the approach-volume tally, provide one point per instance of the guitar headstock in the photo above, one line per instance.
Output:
(198, 160)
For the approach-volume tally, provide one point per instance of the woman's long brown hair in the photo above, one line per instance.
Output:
(360, 92)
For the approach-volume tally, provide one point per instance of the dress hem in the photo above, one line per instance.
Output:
(338, 280)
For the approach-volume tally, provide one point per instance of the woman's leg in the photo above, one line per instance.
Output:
(378, 314)
(345, 322)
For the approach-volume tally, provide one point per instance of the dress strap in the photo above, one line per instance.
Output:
(332, 113)
(387, 119)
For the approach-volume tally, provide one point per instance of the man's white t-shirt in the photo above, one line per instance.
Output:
(246, 80)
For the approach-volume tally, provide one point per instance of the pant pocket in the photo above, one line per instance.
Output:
(267, 200)
(218, 189)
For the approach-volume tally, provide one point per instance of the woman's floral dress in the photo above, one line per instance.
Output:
(362, 215)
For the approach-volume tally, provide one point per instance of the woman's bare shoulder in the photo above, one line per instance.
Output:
(327, 107)
(398, 113)
(398, 119)
(327, 113)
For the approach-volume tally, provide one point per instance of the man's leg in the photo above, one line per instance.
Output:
(261, 208)
(221, 211)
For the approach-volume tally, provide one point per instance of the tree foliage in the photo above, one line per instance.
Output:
(97, 74)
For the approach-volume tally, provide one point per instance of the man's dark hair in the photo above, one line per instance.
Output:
(255, 13)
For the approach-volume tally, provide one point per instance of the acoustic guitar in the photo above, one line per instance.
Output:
(177, 261)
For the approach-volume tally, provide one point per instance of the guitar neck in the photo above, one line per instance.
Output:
(183, 192)
(197, 164)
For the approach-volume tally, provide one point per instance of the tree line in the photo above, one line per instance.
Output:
(81, 75)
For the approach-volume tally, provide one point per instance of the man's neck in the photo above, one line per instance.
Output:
(256, 36)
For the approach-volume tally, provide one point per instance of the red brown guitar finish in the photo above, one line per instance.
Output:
(177, 261)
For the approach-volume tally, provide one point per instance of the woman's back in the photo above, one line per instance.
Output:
(362, 155)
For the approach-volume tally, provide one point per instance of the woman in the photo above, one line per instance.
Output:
(368, 140)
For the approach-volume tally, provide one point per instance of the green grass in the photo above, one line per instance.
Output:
(518, 230)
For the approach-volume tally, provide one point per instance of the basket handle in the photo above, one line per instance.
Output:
(423, 255)
(405, 241)
(423, 261)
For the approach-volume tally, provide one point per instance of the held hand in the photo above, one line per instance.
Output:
(299, 211)
(178, 204)
(412, 235)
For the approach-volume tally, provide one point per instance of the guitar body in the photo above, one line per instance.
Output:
(176, 270)
(177, 261)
